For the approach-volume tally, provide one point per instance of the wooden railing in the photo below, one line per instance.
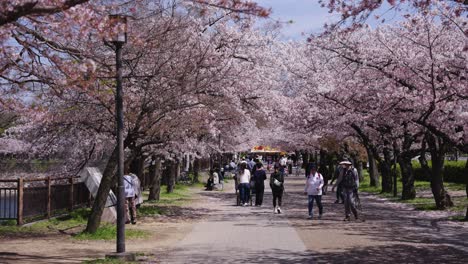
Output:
(20, 198)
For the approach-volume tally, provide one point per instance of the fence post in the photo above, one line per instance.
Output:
(19, 216)
(71, 194)
(49, 192)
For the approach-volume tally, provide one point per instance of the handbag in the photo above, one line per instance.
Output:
(277, 183)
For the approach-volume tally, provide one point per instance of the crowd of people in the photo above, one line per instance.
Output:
(250, 175)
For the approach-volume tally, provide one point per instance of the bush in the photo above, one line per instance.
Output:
(454, 171)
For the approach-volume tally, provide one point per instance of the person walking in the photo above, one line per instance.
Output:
(283, 163)
(259, 178)
(350, 184)
(313, 190)
(277, 188)
(336, 175)
(130, 206)
(244, 183)
(290, 165)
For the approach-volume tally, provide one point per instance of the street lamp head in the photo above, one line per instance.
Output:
(118, 29)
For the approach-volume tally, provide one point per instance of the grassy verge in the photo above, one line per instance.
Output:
(419, 203)
(76, 219)
(109, 232)
(182, 195)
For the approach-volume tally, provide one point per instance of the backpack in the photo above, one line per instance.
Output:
(349, 179)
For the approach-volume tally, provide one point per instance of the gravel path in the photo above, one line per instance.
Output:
(392, 233)
(234, 234)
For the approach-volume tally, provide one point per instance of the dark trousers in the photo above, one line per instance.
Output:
(339, 193)
(244, 192)
(277, 194)
(317, 198)
(350, 205)
(259, 190)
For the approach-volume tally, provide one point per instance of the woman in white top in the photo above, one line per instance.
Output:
(313, 189)
(244, 183)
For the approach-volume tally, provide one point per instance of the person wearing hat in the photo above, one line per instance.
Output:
(277, 188)
(313, 190)
(349, 181)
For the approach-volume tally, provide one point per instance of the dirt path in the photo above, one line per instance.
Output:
(392, 232)
(236, 234)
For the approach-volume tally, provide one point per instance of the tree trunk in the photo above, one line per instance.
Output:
(196, 170)
(108, 179)
(359, 170)
(407, 177)
(137, 167)
(177, 170)
(155, 180)
(373, 172)
(357, 165)
(323, 169)
(305, 160)
(466, 188)
(386, 170)
(437, 150)
(171, 173)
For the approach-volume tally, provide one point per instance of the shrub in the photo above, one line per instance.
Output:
(454, 171)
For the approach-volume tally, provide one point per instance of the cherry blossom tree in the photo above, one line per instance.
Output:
(385, 92)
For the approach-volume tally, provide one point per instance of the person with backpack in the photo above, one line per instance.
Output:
(259, 177)
(336, 175)
(130, 206)
(349, 181)
(277, 188)
(313, 189)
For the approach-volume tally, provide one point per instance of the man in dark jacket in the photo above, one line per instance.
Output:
(259, 178)
(277, 188)
(349, 181)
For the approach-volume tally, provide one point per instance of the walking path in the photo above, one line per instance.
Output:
(235, 234)
(392, 233)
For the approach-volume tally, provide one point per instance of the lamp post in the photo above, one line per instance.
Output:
(118, 34)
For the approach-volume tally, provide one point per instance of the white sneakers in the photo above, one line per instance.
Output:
(279, 210)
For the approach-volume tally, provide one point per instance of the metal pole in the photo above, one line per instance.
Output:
(120, 166)
(395, 191)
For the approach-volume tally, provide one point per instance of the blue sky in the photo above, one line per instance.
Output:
(307, 16)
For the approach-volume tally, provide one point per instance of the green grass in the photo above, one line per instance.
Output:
(109, 232)
(150, 210)
(458, 218)
(74, 219)
(77, 218)
(182, 195)
(7, 230)
(419, 203)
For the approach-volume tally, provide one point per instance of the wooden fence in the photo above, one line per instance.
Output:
(40, 198)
